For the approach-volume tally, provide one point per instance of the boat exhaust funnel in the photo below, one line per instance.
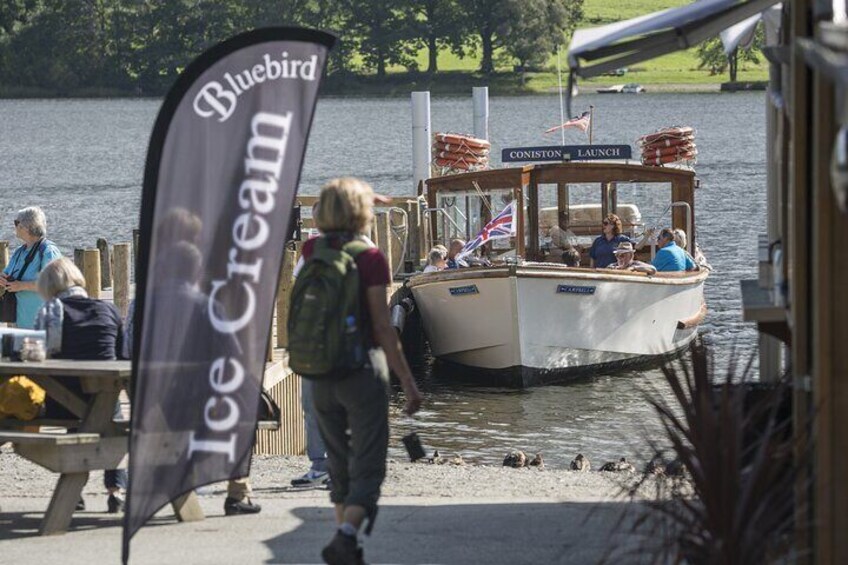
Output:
(420, 138)
(480, 94)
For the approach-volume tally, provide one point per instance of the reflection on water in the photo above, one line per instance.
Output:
(82, 160)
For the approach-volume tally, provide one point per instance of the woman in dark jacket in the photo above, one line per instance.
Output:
(79, 327)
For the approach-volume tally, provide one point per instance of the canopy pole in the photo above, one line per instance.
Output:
(561, 110)
(591, 122)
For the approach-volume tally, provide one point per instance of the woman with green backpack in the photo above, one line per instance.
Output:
(341, 338)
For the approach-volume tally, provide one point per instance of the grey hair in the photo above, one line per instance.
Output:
(436, 255)
(33, 221)
(59, 275)
(680, 238)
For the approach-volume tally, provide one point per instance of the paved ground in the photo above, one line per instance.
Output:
(430, 514)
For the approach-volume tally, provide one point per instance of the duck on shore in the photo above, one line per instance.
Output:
(620, 466)
(580, 463)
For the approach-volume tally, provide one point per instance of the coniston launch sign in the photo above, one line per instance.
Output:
(220, 181)
(566, 153)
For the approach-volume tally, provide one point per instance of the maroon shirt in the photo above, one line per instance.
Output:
(373, 270)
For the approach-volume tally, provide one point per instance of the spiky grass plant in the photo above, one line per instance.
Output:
(734, 503)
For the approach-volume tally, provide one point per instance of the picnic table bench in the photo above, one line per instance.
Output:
(92, 442)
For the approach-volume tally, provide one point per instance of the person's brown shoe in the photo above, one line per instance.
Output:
(342, 550)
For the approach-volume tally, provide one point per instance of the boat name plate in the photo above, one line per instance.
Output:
(566, 153)
(572, 289)
(462, 290)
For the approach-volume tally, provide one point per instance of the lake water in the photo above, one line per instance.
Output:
(82, 161)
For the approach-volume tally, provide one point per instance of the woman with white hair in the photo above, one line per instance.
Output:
(20, 275)
(82, 328)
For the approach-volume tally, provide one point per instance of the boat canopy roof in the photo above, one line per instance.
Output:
(571, 172)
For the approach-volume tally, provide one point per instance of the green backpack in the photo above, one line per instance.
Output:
(326, 337)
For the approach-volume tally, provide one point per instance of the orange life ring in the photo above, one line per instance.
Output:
(470, 158)
(462, 165)
(667, 142)
(667, 133)
(461, 148)
(458, 139)
(674, 150)
(666, 159)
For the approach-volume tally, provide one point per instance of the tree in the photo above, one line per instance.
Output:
(534, 29)
(439, 23)
(711, 55)
(485, 17)
(383, 31)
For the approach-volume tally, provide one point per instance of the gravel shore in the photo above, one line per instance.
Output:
(270, 476)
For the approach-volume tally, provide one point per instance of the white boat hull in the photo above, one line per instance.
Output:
(538, 324)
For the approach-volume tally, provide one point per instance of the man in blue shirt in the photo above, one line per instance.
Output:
(670, 257)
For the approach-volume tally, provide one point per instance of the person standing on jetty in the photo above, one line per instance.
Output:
(21, 274)
(357, 400)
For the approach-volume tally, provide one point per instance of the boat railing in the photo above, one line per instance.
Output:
(428, 235)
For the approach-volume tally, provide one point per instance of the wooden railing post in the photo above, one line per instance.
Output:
(79, 255)
(413, 247)
(283, 295)
(135, 238)
(91, 272)
(4, 254)
(121, 257)
(384, 237)
(105, 263)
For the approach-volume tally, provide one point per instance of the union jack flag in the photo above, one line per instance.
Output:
(500, 227)
(581, 122)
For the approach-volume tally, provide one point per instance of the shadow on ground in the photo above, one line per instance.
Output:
(477, 533)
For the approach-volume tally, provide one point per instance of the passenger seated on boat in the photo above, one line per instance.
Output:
(604, 245)
(680, 239)
(436, 261)
(624, 255)
(670, 257)
(571, 257)
(456, 246)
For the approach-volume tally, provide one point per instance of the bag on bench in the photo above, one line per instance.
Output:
(21, 398)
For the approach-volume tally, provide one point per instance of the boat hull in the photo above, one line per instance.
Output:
(534, 325)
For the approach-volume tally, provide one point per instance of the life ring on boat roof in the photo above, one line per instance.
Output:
(666, 159)
(461, 165)
(668, 133)
(459, 139)
(461, 148)
(469, 158)
(663, 143)
(675, 150)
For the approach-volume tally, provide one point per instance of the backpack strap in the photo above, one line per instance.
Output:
(354, 247)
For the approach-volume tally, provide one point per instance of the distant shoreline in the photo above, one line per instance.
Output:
(397, 85)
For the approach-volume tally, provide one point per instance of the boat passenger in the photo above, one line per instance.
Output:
(604, 245)
(456, 246)
(436, 260)
(571, 257)
(624, 255)
(670, 257)
(698, 257)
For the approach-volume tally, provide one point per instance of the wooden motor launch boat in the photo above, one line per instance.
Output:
(521, 314)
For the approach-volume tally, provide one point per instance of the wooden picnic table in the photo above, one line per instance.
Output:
(92, 442)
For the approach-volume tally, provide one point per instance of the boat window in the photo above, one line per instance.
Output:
(461, 215)
(641, 205)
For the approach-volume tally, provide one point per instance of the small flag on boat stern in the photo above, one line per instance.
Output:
(581, 122)
(500, 227)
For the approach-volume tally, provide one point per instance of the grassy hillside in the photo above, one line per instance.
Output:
(680, 68)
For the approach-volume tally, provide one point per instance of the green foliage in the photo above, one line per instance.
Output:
(711, 55)
(141, 46)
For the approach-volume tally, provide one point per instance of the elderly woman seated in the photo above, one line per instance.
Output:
(436, 260)
(79, 327)
(624, 261)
